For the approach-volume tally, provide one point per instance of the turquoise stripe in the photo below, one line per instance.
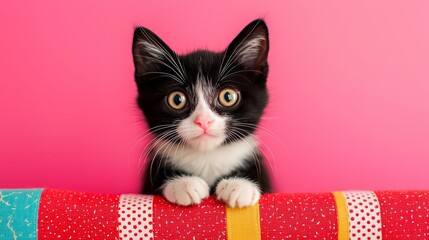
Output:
(18, 213)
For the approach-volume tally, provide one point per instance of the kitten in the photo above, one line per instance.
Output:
(203, 109)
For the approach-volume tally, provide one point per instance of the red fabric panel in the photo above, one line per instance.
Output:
(74, 215)
(204, 221)
(404, 215)
(298, 216)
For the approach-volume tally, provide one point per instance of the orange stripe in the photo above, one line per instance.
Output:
(343, 216)
(243, 223)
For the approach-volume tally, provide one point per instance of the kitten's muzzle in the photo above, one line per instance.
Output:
(204, 123)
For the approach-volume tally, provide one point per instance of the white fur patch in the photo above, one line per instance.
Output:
(185, 190)
(238, 192)
(209, 165)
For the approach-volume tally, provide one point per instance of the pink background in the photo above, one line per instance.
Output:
(349, 83)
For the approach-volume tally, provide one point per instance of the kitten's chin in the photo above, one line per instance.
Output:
(205, 143)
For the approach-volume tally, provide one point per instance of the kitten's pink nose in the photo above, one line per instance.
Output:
(204, 123)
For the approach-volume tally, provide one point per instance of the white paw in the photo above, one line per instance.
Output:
(238, 192)
(185, 190)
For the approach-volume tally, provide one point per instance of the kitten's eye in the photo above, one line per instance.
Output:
(177, 100)
(228, 97)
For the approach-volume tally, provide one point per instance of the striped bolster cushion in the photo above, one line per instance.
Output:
(57, 214)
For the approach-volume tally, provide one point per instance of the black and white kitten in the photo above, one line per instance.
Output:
(203, 109)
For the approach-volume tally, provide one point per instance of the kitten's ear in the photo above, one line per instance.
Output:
(150, 53)
(250, 47)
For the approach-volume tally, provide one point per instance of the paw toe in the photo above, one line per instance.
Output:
(238, 192)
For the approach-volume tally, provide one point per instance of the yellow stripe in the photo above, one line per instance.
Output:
(343, 216)
(243, 223)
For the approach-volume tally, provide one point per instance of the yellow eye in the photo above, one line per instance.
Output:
(228, 97)
(177, 100)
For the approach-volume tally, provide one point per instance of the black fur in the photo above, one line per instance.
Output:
(154, 83)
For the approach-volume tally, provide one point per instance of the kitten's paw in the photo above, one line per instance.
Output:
(238, 192)
(185, 191)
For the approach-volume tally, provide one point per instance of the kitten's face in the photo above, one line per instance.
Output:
(202, 99)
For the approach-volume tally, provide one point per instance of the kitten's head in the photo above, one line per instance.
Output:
(203, 99)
